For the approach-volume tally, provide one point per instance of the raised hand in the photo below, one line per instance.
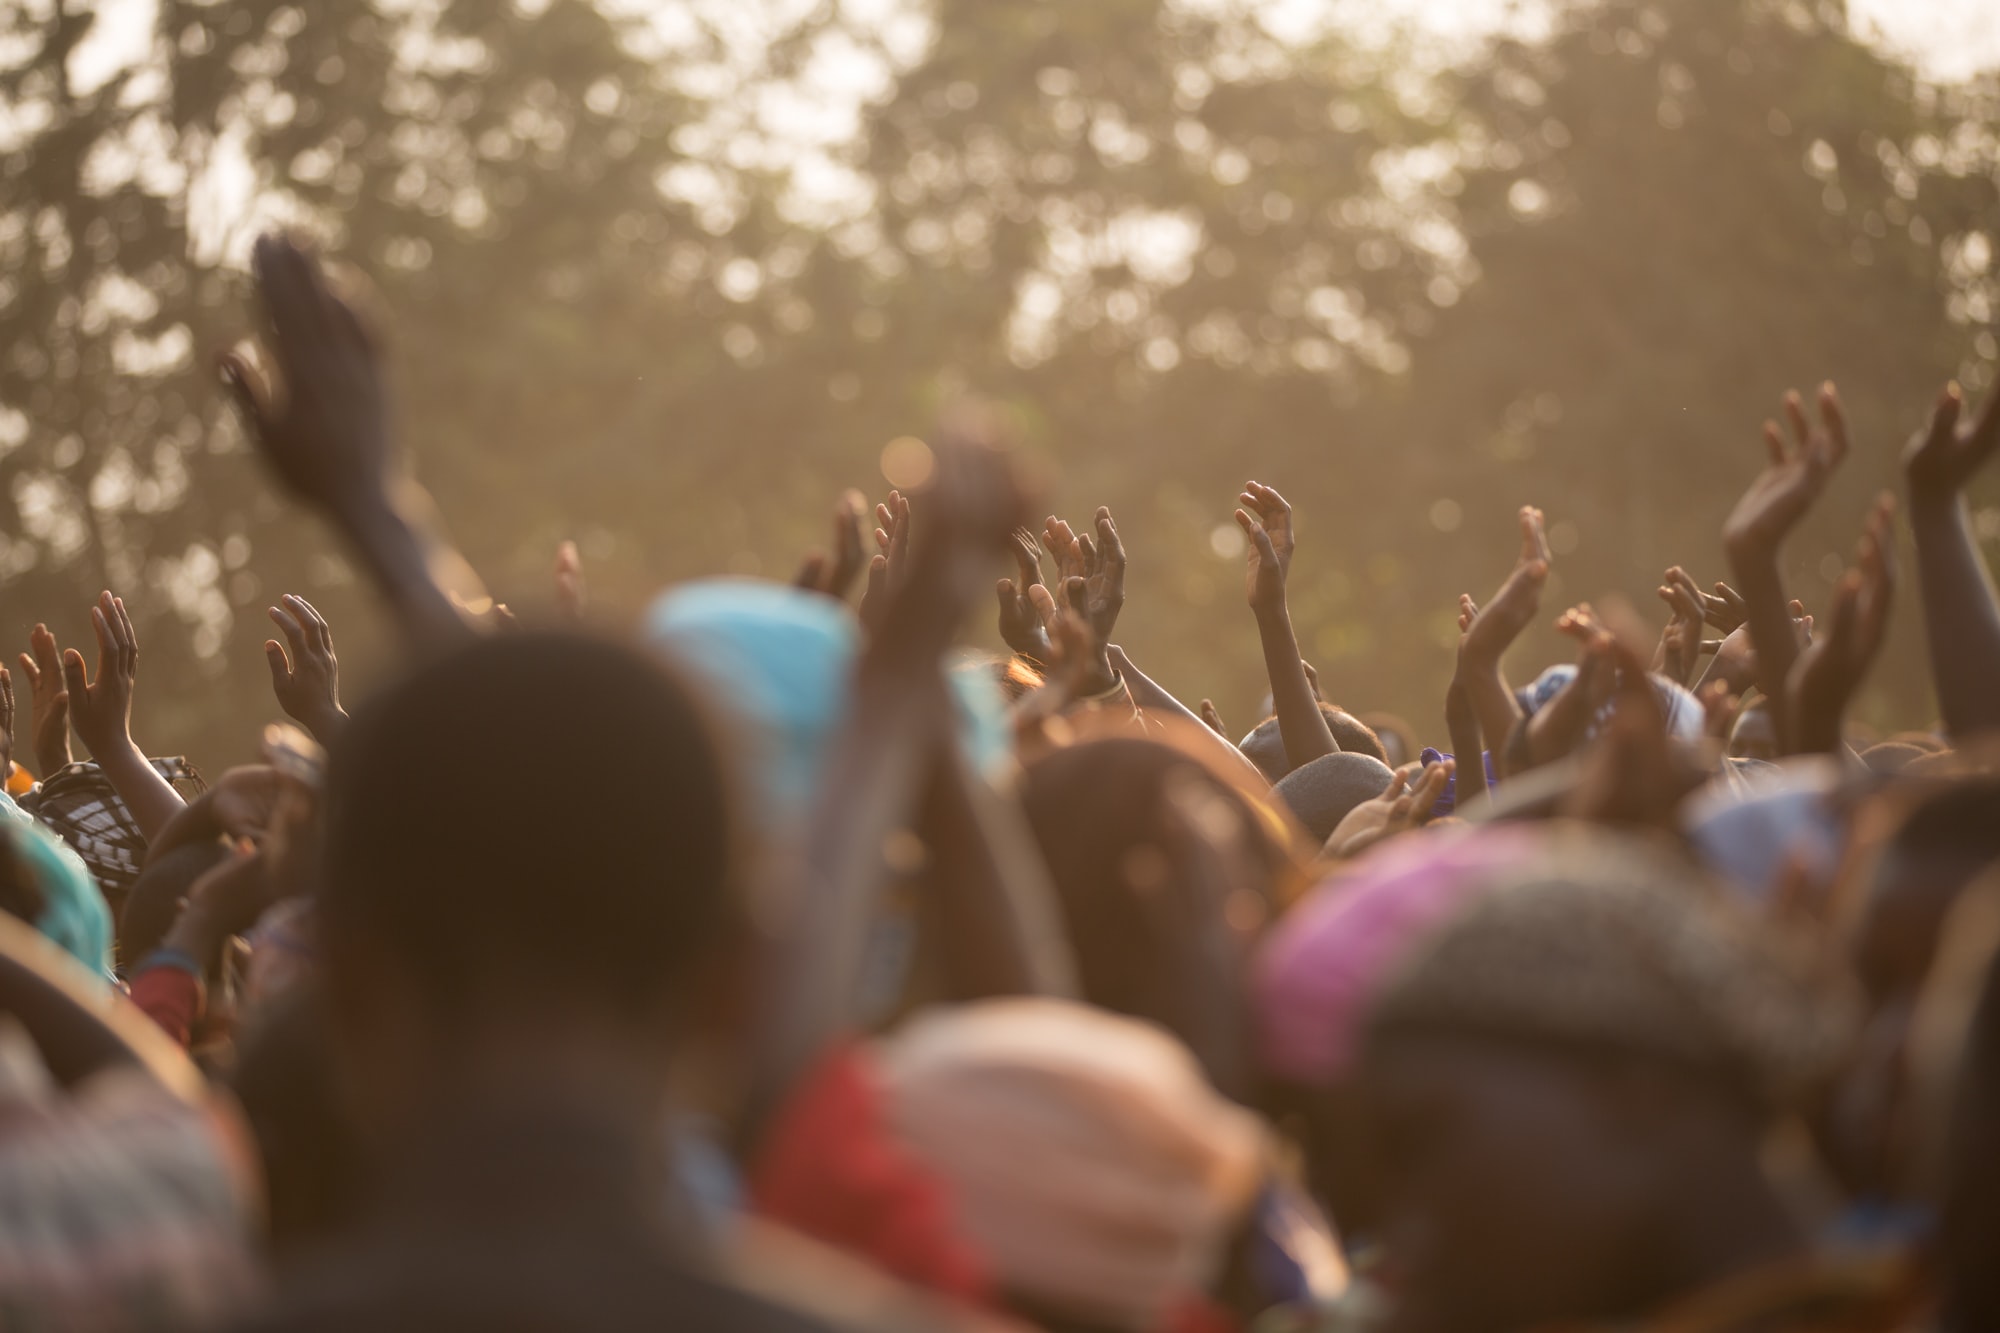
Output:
(1942, 457)
(1212, 719)
(1680, 643)
(1768, 511)
(48, 717)
(1634, 774)
(1266, 519)
(1099, 561)
(1022, 627)
(1831, 669)
(572, 595)
(1408, 803)
(891, 558)
(1485, 634)
(308, 683)
(834, 576)
(1786, 489)
(324, 427)
(102, 708)
(1724, 608)
(101, 711)
(1513, 607)
(1961, 610)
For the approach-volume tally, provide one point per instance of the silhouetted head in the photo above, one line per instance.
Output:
(466, 908)
(1266, 749)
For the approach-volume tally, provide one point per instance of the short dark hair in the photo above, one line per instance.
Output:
(1266, 748)
(532, 818)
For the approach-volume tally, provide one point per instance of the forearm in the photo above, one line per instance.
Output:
(1151, 696)
(1961, 615)
(1769, 618)
(151, 799)
(868, 796)
(1462, 724)
(400, 563)
(1301, 726)
(1491, 703)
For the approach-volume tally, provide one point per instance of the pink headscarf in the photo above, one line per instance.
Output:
(1327, 958)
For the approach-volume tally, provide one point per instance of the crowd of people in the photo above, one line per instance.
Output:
(779, 965)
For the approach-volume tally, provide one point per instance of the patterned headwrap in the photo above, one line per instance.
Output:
(1596, 941)
(82, 806)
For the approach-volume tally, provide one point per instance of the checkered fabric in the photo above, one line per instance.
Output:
(78, 802)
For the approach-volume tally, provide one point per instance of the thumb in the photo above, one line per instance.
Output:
(281, 670)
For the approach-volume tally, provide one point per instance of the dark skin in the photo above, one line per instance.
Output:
(890, 562)
(307, 681)
(324, 429)
(1407, 804)
(1522, 1188)
(1755, 532)
(48, 719)
(1961, 609)
(832, 576)
(1486, 633)
(1830, 671)
(1680, 647)
(1021, 626)
(1266, 519)
(1153, 697)
(101, 711)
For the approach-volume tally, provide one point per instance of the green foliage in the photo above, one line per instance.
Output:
(1578, 273)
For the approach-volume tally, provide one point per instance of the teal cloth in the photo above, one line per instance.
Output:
(778, 659)
(74, 913)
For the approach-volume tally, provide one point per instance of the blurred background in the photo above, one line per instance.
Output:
(665, 277)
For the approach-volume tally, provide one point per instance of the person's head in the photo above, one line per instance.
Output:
(1166, 873)
(1918, 848)
(1087, 1158)
(1264, 747)
(471, 923)
(1324, 792)
(1568, 1082)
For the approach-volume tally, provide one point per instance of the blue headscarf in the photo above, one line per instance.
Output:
(74, 914)
(778, 659)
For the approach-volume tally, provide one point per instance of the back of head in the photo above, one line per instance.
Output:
(1326, 791)
(494, 891)
(1265, 747)
(1137, 910)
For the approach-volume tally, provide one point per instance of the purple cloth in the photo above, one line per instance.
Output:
(1449, 801)
(1322, 966)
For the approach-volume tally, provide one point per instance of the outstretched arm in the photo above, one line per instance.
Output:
(1961, 612)
(324, 429)
(1756, 530)
(1486, 634)
(102, 710)
(1266, 519)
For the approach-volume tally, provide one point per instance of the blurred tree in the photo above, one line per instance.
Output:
(1578, 273)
